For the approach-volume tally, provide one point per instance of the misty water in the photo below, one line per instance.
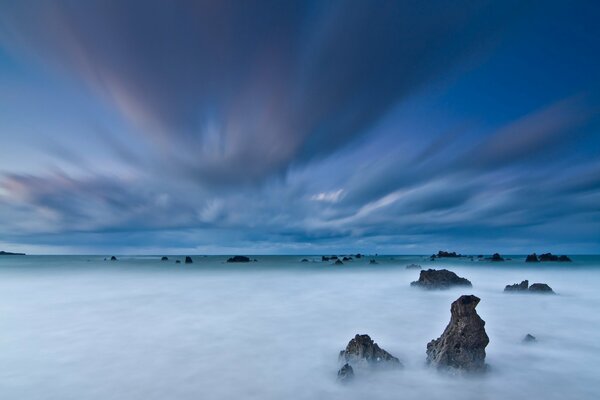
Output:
(138, 328)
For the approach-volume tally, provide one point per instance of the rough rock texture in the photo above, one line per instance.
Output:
(113, 258)
(188, 260)
(238, 259)
(439, 279)
(345, 374)
(363, 351)
(541, 288)
(413, 266)
(517, 287)
(164, 258)
(529, 338)
(532, 258)
(338, 262)
(462, 345)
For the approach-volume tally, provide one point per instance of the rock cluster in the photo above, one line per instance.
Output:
(446, 254)
(363, 351)
(524, 287)
(546, 257)
(462, 345)
(238, 259)
(517, 287)
(439, 279)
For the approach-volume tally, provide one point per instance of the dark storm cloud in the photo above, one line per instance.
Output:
(237, 91)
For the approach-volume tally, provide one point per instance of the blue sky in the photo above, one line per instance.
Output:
(299, 127)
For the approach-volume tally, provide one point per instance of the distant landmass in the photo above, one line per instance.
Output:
(6, 253)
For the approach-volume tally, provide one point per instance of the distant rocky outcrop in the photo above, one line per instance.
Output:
(446, 254)
(238, 259)
(541, 288)
(496, 257)
(517, 287)
(462, 345)
(552, 257)
(338, 262)
(345, 374)
(529, 338)
(363, 351)
(188, 260)
(164, 258)
(413, 266)
(324, 258)
(113, 258)
(358, 255)
(347, 259)
(532, 258)
(7, 253)
(333, 257)
(439, 279)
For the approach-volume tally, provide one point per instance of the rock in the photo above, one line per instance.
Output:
(345, 374)
(324, 258)
(238, 259)
(440, 279)
(564, 259)
(304, 260)
(346, 259)
(413, 266)
(188, 260)
(446, 254)
(177, 262)
(113, 258)
(529, 339)
(517, 287)
(7, 253)
(497, 257)
(532, 258)
(373, 261)
(358, 255)
(363, 351)
(338, 262)
(552, 257)
(333, 257)
(164, 259)
(541, 288)
(462, 345)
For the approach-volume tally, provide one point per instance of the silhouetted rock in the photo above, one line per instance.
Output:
(552, 257)
(177, 262)
(541, 288)
(439, 279)
(413, 266)
(564, 259)
(529, 339)
(164, 259)
(346, 259)
(358, 255)
(462, 345)
(304, 260)
(363, 351)
(188, 260)
(238, 259)
(372, 261)
(338, 262)
(113, 258)
(517, 287)
(333, 257)
(7, 253)
(496, 257)
(446, 254)
(345, 374)
(532, 258)
(324, 258)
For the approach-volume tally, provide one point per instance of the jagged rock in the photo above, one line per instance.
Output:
(552, 257)
(373, 261)
(177, 262)
(238, 259)
(164, 259)
(113, 258)
(413, 266)
(532, 258)
(439, 279)
(541, 288)
(446, 254)
(517, 287)
(362, 350)
(497, 257)
(338, 262)
(462, 345)
(304, 260)
(188, 260)
(345, 374)
(529, 339)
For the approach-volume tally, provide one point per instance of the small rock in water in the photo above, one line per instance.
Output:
(358, 255)
(346, 259)
(345, 374)
(413, 266)
(164, 259)
(304, 260)
(532, 258)
(497, 257)
(517, 287)
(113, 258)
(541, 288)
(238, 259)
(338, 262)
(324, 258)
(462, 345)
(177, 262)
(529, 338)
(439, 279)
(188, 260)
(363, 351)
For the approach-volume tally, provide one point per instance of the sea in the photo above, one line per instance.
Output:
(86, 328)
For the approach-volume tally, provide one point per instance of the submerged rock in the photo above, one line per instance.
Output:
(517, 287)
(338, 262)
(462, 345)
(532, 258)
(440, 279)
(164, 258)
(177, 262)
(345, 374)
(413, 266)
(362, 350)
(541, 288)
(188, 260)
(529, 338)
(113, 258)
(238, 259)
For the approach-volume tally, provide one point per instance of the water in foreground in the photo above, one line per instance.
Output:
(84, 328)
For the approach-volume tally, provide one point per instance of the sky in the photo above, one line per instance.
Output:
(299, 127)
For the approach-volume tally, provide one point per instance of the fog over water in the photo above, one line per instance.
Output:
(83, 328)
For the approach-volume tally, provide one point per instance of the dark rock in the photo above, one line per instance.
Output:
(188, 260)
(439, 279)
(413, 266)
(7, 253)
(462, 345)
(529, 339)
(338, 262)
(358, 255)
(517, 287)
(324, 258)
(373, 261)
(304, 260)
(113, 258)
(497, 257)
(541, 288)
(564, 259)
(333, 257)
(552, 257)
(346, 259)
(446, 254)
(177, 262)
(480, 256)
(345, 374)
(238, 259)
(363, 351)
(164, 259)
(532, 258)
